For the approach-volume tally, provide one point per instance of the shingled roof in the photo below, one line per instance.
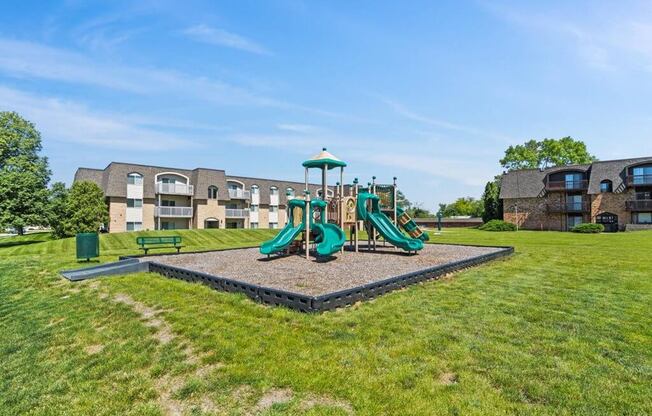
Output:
(530, 183)
(613, 170)
(113, 181)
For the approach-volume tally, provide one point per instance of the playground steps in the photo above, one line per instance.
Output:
(411, 227)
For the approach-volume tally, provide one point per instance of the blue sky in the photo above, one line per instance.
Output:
(431, 92)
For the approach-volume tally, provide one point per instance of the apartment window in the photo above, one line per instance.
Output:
(273, 225)
(574, 220)
(254, 225)
(643, 218)
(642, 175)
(273, 191)
(253, 208)
(290, 192)
(329, 193)
(134, 203)
(273, 208)
(168, 180)
(254, 189)
(135, 179)
(166, 225)
(573, 180)
(606, 186)
(134, 226)
(574, 202)
(168, 203)
(212, 192)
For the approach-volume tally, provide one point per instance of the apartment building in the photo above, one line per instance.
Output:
(142, 197)
(615, 193)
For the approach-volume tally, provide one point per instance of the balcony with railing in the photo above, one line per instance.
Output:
(239, 194)
(639, 205)
(237, 213)
(574, 185)
(568, 207)
(174, 188)
(180, 212)
(639, 180)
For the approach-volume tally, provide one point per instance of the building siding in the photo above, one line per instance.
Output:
(113, 181)
(531, 191)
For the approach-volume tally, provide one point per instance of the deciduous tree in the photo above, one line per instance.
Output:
(546, 153)
(24, 174)
(58, 209)
(468, 206)
(86, 209)
(493, 207)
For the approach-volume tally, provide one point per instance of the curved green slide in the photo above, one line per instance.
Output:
(287, 235)
(330, 238)
(384, 225)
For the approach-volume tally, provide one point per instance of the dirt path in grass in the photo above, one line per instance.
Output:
(168, 386)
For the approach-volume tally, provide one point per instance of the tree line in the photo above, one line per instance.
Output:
(533, 154)
(26, 199)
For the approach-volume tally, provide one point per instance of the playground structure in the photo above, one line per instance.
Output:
(316, 227)
(322, 220)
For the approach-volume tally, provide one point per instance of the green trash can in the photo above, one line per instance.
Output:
(88, 246)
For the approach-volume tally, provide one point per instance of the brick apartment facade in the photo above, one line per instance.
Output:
(615, 193)
(142, 197)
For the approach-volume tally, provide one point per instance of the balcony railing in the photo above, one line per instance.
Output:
(569, 207)
(237, 213)
(239, 194)
(185, 212)
(577, 185)
(174, 188)
(636, 180)
(639, 205)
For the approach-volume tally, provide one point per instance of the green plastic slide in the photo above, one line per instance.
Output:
(384, 225)
(283, 239)
(330, 238)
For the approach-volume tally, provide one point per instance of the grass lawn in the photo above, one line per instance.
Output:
(564, 326)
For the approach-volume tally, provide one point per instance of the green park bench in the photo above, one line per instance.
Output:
(147, 243)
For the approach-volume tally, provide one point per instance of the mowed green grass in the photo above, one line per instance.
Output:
(564, 326)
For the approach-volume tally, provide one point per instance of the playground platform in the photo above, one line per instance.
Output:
(313, 286)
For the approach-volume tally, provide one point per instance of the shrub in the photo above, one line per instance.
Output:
(588, 228)
(498, 225)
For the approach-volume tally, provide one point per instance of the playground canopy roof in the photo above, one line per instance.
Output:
(324, 158)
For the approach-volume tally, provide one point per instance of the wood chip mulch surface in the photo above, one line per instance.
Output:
(294, 273)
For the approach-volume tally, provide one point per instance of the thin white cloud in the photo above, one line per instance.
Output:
(412, 156)
(27, 59)
(219, 37)
(22, 59)
(72, 122)
(297, 143)
(462, 171)
(403, 111)
(297, 128)
(607, 39)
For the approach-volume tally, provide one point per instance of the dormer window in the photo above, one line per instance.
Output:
(254, 189)
(606, 186)
(135, 179)
(212, 192)
(273, 190)
(290, 192)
